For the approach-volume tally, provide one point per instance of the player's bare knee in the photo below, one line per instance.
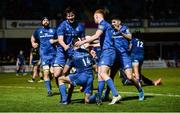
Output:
(129, 77)
(61, 81)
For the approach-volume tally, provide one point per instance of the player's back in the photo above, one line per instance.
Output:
(137, 50)
(137, 46)
(82, 60)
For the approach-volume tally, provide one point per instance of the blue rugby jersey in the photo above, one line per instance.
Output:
(106, 40)
(137, 50)
(81, 60)
(43, 35)
(70, 31)
(121, 43)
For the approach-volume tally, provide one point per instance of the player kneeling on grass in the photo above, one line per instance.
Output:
(83, 62)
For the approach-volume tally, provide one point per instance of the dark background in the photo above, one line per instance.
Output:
(164, 44)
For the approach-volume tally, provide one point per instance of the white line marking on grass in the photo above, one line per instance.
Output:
(21, 87)
(146, 94)
(153, 94)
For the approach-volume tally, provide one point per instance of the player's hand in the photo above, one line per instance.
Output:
(66, 48)
(35, 45)
(122, 33)
(79, 43)
(93, 53)
(51, 41)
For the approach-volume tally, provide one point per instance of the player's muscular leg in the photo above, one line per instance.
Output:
(136, 70)
(128, 73)
(35, 71)
(104, 72)
(46, 72)
(63, 80)
(57, 71)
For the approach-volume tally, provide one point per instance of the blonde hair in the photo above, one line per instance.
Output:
(100, 11)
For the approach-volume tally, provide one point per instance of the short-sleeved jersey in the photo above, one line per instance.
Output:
(81, 60)
(137, 50)
(70, 31)
(121, 43)
(43, 35)
(106, 40)
(122, 47)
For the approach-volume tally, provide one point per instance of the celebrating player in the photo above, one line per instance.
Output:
(83, 63)
(108, 53)
(137, 55)
(122, 36)
(66, 32)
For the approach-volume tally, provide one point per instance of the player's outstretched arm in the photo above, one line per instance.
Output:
(90, 39)
(127, 36)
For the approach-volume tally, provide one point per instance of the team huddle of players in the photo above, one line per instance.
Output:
(67, 47)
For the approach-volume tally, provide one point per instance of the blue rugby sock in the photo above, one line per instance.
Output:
(111, 85)
(101, 87)
(48, 85)
(62, 90)
(140, 89)
(106, 93)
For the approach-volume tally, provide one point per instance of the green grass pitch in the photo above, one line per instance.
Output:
(17, 95)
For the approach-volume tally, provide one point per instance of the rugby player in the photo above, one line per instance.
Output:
(45, 38)
(108, 54)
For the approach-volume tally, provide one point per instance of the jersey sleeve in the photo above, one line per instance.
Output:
(125, 30)
(101, 27)
(61, 29)
(35, 34)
